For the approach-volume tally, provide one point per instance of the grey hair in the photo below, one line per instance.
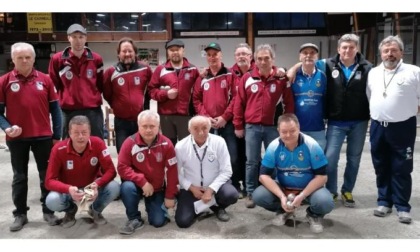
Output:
(148, 113)
(22, 46)
(264, 47)
(390, 39)
(349, 38)
(199, 118)
(79, 120)
(240, 45)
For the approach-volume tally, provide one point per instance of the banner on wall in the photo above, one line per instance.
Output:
(39, 22)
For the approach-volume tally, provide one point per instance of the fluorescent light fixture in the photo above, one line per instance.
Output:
(97, 21)
(125, 27)
(132, 22)
(134, 15)
(229, 23)
(144, 13)
(146, 25)
(177, 22)
(100, 15)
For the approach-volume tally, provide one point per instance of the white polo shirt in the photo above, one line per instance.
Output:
(394, 95)
(216, 167)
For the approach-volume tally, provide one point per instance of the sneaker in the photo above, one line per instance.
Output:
(249, 203)
(51, 219)
(20, 220)
(241, 194)
(131, 225)
(69, 218)
(334, 197)
(382, 211)
(281, 219)
(347, 198)
(404, 217)
(222, 215)
(97, 217)
(315, 224)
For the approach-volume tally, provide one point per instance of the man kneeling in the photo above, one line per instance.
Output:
(300, 166)
(79, 162)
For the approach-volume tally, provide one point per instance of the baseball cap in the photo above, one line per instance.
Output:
(76, 28)
(310, 45)
(174, 42)
(213, 45)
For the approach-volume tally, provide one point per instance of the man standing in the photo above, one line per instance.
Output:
(260, 100)
(147, 165)
(347, 112)
(244, 63)
(125, 89)
(393, 91)
(26, 89)
(78, 163)
(172, 87)
(77, 73)
(214, 97)
(309, 91)
(300, 166)
(204, 172)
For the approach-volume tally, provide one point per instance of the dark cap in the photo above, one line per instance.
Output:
(309, 45)
(174, 42)
(76, 28)
(213, 45)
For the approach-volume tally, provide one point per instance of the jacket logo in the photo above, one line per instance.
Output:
(39, 85)
(223, 84)
(187, 76)
(15, 87)
(89, 73)
(121, 81)
(69, 164)
(93, 161)
(140, 157)
(273, 88)
(206, 86)
(358, 75)
(159, 157)
(254, 88)
(335, 73)
(69, 75)
(136, 80)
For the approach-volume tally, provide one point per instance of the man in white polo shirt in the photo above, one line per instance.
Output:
(393, 90)
(204, 172)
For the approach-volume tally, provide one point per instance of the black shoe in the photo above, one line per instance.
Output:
(70, 218)
(20, 220)
(222, 215)
(51, 219)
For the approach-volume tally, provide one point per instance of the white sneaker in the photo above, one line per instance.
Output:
(315, 224)
(404, 217)
(281, 219)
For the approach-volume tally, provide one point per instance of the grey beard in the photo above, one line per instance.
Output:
(390, 64)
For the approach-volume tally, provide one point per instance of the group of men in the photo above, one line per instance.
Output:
(207, 134)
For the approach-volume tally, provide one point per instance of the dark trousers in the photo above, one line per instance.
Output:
(238, 174)
(123, 129)
(95, 116)
(19, 156)
(185, 214)
(228, 133)
(392, 149)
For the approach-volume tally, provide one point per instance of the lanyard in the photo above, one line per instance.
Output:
(201, 161)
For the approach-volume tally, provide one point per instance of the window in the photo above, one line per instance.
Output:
(64, 20)
(126, 21)
(153, 21)
(291, 21)
(98, 21)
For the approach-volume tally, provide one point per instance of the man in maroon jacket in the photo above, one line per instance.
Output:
(76, 164)
(77, 73)
(172, 87)
(125, 89)
(145, 160)
(260, 100)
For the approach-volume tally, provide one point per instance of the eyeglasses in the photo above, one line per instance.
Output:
(242, 54)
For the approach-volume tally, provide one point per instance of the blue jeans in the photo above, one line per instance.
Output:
(319, 136)
(61, 201)
(320, 201)
(255, 135)
(123, 129)
(131, 196)
(356, 135)
(95, 116)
